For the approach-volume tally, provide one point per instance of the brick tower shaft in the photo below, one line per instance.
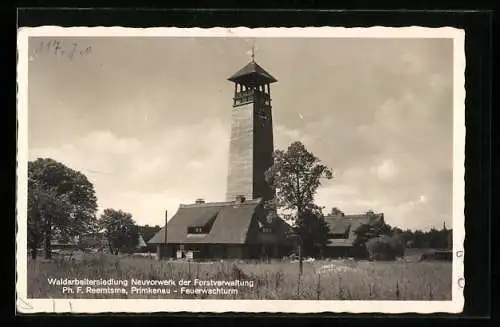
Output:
(251, 143)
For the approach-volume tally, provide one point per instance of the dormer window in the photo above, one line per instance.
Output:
(266, 230)
(264, 227)
(196, 230)
(203, 224)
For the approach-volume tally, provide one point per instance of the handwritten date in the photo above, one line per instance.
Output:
(61, 48)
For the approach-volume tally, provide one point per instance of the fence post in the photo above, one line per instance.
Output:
(298, 286)
(341, 291)
(318, 287)
(300, 260)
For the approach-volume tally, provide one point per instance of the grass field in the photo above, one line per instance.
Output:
(323, 280)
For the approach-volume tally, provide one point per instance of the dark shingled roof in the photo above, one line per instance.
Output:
(341, 227)
(231, 225)
(340, 224)
(205, 218)
(252, 71)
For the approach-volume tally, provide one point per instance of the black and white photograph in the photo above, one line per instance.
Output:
(246, 170)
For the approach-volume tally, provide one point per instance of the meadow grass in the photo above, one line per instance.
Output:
(280, 280)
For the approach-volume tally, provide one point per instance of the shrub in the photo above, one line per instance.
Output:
(384, 248)
(437, 255)
(397, 245)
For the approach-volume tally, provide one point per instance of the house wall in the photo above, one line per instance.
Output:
(235, 252)
(224, 251)
(165, 251)
(267, 238)
(216, 251)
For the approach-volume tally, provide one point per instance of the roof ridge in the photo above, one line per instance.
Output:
(219, 204)
(359, 215)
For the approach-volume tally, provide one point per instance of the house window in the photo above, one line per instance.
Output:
(266, 230)
(195, 230)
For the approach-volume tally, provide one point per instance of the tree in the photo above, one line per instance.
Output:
(396, 231)
(120, 230)
(313, 231)
(45, 210)
(369, 231)
(336, 212)
(296, 175)
(382, 248)
(61, 201)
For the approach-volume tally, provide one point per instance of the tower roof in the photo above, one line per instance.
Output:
(252, 73)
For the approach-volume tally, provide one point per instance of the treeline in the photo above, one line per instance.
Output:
(380, 241)
(434, 238)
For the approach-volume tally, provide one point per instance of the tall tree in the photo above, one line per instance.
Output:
(296, 175)
(45, 211)
(60, 200)
(120, 230)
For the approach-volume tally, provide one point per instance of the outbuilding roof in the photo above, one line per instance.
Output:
(340, 224)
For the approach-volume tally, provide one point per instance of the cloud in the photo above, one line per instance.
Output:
(147, 177)
(386, 170)
(106, 142)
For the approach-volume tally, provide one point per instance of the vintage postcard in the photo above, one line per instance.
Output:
(284, 170)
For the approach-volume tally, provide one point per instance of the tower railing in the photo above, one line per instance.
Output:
(251, 95)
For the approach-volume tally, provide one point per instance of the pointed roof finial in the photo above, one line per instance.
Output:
(253, 53)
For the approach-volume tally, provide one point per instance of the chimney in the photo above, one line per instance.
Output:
(166, 219)
(240, 199)
(199, 201)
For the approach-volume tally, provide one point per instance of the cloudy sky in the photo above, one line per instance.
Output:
(147, 119)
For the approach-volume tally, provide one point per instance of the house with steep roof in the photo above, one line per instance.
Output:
(238, 229)
(342, 235)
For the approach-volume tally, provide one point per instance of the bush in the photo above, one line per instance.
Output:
(384, 248)
(398, 246)
(437, 255)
